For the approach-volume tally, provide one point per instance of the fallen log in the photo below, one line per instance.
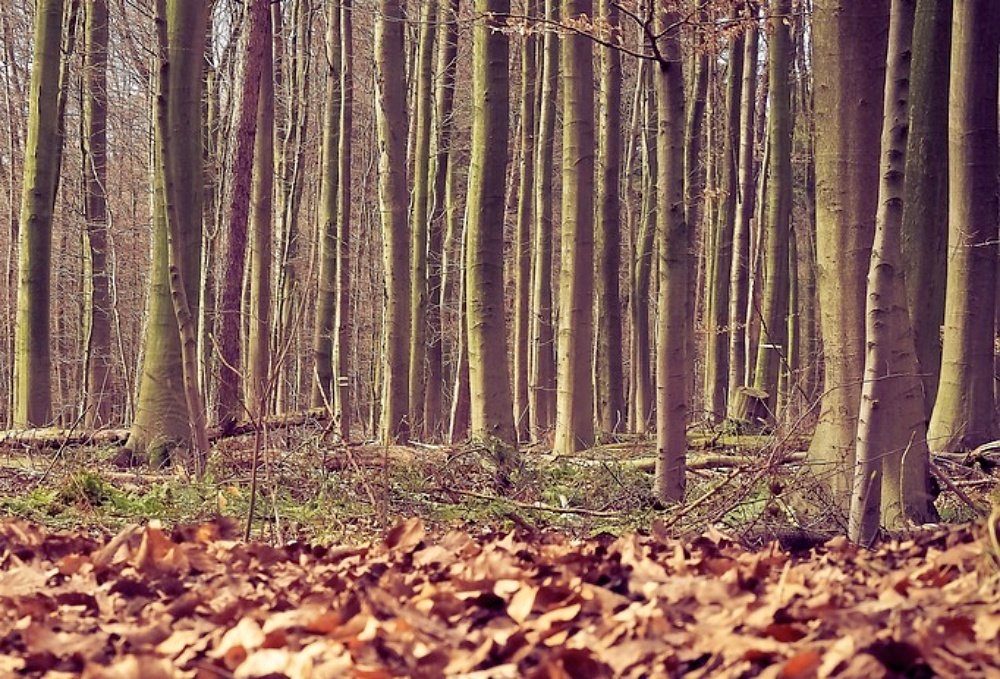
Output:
(55, 437)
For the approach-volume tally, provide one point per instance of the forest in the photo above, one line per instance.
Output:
(722, 272)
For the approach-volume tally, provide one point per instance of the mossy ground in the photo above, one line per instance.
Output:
(313, 490)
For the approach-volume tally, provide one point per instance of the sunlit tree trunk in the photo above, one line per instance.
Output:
(32, 358)
(673, 326)
(393, 200)
(963, 412)
(489, 372)
(849, 63)
(892, 430)
(575, 384)
(166, 415)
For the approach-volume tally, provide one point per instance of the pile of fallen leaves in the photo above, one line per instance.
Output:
(195, 602)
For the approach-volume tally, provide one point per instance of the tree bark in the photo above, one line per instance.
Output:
(963, 412)
(575, 385)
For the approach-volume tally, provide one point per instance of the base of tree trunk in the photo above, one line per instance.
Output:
(749, 411)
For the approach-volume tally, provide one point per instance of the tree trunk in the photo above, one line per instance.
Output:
(609, 382)
(541, 394)
(773, 346)
(440, 240)
(963, 412)
(32, 358)
(673, 368)
(925, 199)
(892, 430)
(717, 318)
(259, 357)
(230, 348)
(393, 200)
(419, 216)
(99, 379)
(344, 319)
(849, 49)
(489, 373)
(522, 235)
(575, 385)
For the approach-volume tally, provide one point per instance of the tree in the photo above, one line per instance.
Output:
(393, 200)
(891, 470)
(489, 372)
(849, 69)
(419, 214)
(673, 268)
(542, 382)
(324, 326)
(344, 319)
(100, 385)
(32, 359)
(170, 411)
(717, 312)
(739, 267)
(522, 234)
(575, 385)
(608, 373)
(259, 348)
(925, 197)
(230, 361)
(773, 344)
(963, 415)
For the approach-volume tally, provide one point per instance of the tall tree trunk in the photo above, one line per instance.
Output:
(739, 282)
(849, 61)
(717, 319)
(100, 358)
(489, 373)
(963, 412)
(419, 215)
(575, 385)
(230, 348)
(772, 348)
(925, 199)
(609, 383)
(393, 199)
(344, 319)
(522, 235)
(442, 222)
(324, 328)
(259, 356)
(643, 396)
(892, 430)
(541, 394)
(181, 28)
(673, 368)
(32, 358)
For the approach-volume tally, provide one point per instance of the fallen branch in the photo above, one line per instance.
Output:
(943, 478)
(648, 464)
(51, 437)
(529, 505)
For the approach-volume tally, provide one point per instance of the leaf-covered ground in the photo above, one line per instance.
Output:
(197, 602)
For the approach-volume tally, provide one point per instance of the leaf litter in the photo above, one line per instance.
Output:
(197, 602)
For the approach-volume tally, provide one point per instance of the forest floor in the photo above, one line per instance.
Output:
(369, 561)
